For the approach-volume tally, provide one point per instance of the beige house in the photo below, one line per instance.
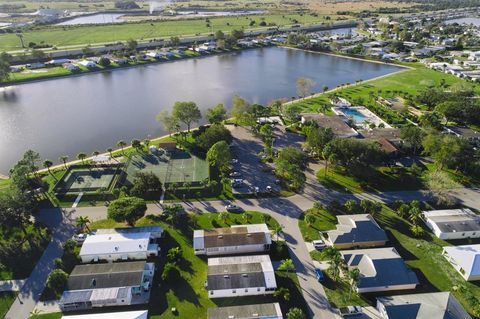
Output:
(356, 231)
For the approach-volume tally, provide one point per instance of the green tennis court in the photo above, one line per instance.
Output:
(169, 167)
(86, 180)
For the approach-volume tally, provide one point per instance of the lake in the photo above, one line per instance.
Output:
(92, 112)
(465, 21)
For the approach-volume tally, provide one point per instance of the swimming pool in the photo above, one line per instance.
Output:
(358, 117)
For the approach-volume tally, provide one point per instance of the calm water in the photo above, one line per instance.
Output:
(92, 112)
(354, 114)
(465, 21)
(100, 18)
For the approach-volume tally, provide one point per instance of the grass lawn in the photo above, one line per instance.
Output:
(338, 292)
(323, 221)
(89, 34)
(54, 315)
(381, 179)
(6, 300)
(188, 294)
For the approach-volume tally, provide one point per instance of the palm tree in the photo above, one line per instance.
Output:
(47, 164)
(414, 214)
(247, 217)
(122, 144)
(110, 151)
(354, 276)
(146, 142)
(309, 219)
(223, 216)
(286, 264)
(64, 159)
(136, 144)
(335, 263)
(282, 293)
(95, 153)
(82, 157)
(277, 230)
(82, 222)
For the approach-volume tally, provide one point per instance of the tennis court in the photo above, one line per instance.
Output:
(86, 180)
(169, 167)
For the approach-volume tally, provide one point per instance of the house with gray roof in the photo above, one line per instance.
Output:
(238, 239)
(337, 123)
(437, 305)
(356, 231)
(140, 314)
(109, 284)
(381, 269)
(453, 223)
(240, 276)
(259, 311)
(465, 259)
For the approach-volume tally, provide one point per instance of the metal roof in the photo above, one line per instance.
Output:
(260, 311)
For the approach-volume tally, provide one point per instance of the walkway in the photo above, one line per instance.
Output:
(61, 222)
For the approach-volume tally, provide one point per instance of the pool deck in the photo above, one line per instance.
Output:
(369, 116)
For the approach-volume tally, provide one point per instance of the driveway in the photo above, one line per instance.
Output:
(63, 228)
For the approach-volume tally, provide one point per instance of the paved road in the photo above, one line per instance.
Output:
(28, 296)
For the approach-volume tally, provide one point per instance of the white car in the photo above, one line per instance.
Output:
(235, 174)
(234, 161)
(319, 244)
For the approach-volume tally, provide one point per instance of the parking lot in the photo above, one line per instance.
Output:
(245, 148)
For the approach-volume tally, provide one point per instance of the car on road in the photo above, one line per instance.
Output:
(319, 244)
(237, 183)
(319, 275)
(269, 189)
(351, 311)
(234, 161)
(231, 208)
(235, 174)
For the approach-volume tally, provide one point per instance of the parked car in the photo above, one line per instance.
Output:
(234, 161)
(269, 189)
(351, 311)
(79, 238)
(235, 174)
(233, 208)
(319, 275)
(319, 244)
(237, 183)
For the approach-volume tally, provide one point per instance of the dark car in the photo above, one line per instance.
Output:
(319, 275)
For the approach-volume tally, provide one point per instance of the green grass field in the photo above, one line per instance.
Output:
(323, 221)
(83, 35)
(6, 300)
(177, 167)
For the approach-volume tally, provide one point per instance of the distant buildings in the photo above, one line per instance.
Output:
(260, 311)
(465, 259)
(240, 239)
(381, 269)
(118, 244)
(438, 305)
(240, 276)
(111, 284)
(356, 231)
(453, 223)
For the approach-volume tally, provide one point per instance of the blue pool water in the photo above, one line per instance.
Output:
(353, 113)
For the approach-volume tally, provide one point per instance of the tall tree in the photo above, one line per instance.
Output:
(219, 156)
(64, 159)
(122, 144)
(304, 86)
(412, 135)
(82, 157)
(5, 59)
(216, 114)
(186, 112)
(242, 111)
(47, 164)
(127, 209)
(169, 122)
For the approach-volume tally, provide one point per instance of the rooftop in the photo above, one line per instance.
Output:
(379, 267)
(336, 122)
(439, 305)
(115, 243)
(260, 311)
(233, 236)
(391, 134)
(109, 275)
(467, 257)
(142, 314)
(454, 220)
(356, 228)
(130, 230)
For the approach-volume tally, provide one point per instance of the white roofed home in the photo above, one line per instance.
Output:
(465, 259)
(108, 284)
(118, 246)
(453, 223)
(141, 314)
(441, 305)
(256, 311)
(238, 239)
(240, 276)
(88, 64)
